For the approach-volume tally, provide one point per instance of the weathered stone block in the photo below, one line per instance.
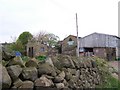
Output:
(44, 82)
(6, 80)
(14, 71)
(27, 85)
(30, 73)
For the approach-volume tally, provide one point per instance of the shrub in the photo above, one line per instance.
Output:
(117, 59)
(41, 58)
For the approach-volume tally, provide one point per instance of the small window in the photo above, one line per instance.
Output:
(70, 39)
(42, 49)
(70, 42)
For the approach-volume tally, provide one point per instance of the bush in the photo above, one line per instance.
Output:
(41, 58)
(117, 59)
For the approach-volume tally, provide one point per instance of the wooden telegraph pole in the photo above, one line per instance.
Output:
(77, 37)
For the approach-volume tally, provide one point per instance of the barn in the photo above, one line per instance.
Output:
(101, 45)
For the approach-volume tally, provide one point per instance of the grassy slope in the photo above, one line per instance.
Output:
(111, 82)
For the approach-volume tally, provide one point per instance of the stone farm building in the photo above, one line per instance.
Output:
(39, 48)
(36, 48)
(95, 44)
(69, 44)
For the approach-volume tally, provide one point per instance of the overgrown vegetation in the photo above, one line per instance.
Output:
(111, 83)
(20, 43)
(108, 80)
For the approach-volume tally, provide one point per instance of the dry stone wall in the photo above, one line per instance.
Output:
(61, 71)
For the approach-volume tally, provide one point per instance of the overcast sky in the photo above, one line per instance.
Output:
(58, 17)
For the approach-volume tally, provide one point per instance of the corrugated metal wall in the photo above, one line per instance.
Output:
(98, 40)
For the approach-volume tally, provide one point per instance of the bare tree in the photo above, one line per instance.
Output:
(49, 39)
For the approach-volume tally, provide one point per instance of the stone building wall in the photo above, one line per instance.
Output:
(69, 45)
(106, 53)
(36, 48)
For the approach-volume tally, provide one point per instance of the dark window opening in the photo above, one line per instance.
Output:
(88, 49)
(70, 39)
(60, 49)
(31, 52)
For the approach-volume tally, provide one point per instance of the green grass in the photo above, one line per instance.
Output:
(111, 83)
